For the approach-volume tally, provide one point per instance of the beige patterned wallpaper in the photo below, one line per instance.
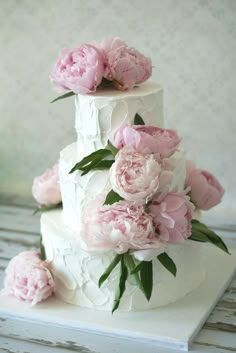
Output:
(193, 47)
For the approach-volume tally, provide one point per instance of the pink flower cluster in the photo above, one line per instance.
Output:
(82, 69)
(28, 278)
(153, 211)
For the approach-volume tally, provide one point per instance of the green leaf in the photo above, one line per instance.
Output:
(138, 120)
(47, 208)
(109, 269)
(104, 164)
(112, 197)
(66, 95)
(96, 164)
(121, 287)
(42, 249)
(146, 275)
(198, 236)
(201, 233)
(194, 221)
(129, 261)
(137, 268)
(168, 263)
(112, 148)
(98, 155)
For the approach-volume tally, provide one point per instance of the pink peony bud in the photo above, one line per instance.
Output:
(172, 214)
(146, 139)
(46, 188)
(28, 278)
(206, 192)
(125, 66)
(79, 70)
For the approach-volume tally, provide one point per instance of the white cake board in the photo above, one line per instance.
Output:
(172, 326)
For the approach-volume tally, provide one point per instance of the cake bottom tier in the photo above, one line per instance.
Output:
(76, 272)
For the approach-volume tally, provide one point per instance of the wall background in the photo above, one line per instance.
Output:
(193, 47)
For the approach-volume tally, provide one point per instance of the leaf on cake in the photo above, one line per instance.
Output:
(109, 269)
(93, 161)
(201, 233)
(112, 148)
(104, 164)
(121, 287)
(137, 268)
(129, 261)
(42, 249)
(138, 120)
(168, 263)
(47, 208)
(66, 95)
(146, 275)
(112, 197)
(144, 269)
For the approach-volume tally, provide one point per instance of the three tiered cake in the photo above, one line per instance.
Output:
(126, 229)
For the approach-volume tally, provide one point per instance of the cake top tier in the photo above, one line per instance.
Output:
(101, 113)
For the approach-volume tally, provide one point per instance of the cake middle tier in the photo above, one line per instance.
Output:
(78, 191)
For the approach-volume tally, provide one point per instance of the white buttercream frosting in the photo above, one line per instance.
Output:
(99, 114)
(77, 272)
(77, 190)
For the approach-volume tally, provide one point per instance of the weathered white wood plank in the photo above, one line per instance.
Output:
(213, 338)
(9, 345)
(19, 238)
(222, 319)
(9, 249)
(3, 264)
(233, 285)
(228, 300)
(2, 275)
(19, 219)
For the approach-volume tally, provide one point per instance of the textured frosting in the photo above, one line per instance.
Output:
(76, 272)
(106, 110)
(77, 191)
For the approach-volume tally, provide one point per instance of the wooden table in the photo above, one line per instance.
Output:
(19, 231)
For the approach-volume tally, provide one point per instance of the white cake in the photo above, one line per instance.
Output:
(76, 271)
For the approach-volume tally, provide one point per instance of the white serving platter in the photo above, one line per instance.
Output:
(173, 326)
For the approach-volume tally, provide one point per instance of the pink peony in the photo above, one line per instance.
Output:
(172, 214)
(79, 70)
(125, 66)
(46, 188)
(206, 192)
(28, 278)
(146, 139)
(118, 227)
(135, 176)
